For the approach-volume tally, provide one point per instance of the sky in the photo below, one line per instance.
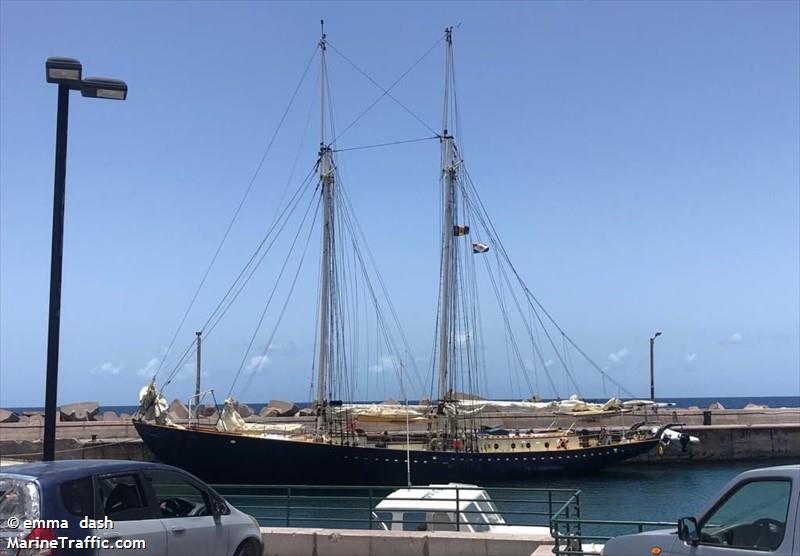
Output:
(641, 161)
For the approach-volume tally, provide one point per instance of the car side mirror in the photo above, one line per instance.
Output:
(218, 508)
(689, 530)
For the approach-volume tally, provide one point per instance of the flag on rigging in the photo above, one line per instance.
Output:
(460, 230)
(479, 248)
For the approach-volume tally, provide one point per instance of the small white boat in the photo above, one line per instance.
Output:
(447, 507)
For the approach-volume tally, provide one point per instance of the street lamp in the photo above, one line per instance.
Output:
(67, 73)
(652, 375)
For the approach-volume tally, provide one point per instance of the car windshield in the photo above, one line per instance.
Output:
(19, 498)
(754, 516)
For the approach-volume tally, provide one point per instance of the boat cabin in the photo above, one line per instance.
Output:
(448, 507)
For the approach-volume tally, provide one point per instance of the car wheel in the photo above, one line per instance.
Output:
(250, 547)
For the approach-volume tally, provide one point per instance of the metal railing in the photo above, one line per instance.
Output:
(576, 536)
(354, 507)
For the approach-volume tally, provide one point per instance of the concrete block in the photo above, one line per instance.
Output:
(285, 541)
(335, 543)
(33, 413)
(244, 410)
(475, 546)
(110, 416)
(36, 419)
(285, 409)
(82, 411)
(268, 412)
(177, 411)
(205, 410)
(398, 543)
(7, 416)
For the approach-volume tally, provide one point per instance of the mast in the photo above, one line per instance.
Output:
(326, 185)
(448, 224)
(197, 370)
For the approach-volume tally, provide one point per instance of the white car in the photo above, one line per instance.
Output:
(107, 507)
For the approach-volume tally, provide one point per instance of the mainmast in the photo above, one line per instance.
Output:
(448, 223)
(326, 185)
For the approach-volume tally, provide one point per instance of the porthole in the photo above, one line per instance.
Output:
(496, 446)
(528, 445)
(546, 444)
(513, 445)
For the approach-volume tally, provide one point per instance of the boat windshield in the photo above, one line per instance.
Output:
(475, 517)
(490, 511)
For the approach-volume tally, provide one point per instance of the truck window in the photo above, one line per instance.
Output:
(753, 516)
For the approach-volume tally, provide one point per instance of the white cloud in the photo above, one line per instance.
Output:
(618, 355)
(257, 363)
(187, 370)
(386, 363)
(110, 368)
(149, 368)
(691, 358)
(735, 338)
(287, 348)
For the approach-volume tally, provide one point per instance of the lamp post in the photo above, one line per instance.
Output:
(66, 73)
(652, 373)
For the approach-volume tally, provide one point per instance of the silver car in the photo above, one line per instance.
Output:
(757, 513)
(106, 507)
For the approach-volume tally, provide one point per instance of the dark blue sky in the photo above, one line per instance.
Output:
(639, 159)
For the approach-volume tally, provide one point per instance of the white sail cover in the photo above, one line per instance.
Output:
(152, 405)
(231, 421)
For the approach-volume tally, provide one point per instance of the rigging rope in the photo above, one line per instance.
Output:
(236, 212)
(285, 303)
(392, 143)
(385, 91)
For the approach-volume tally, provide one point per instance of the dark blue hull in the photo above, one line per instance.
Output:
(231, 458)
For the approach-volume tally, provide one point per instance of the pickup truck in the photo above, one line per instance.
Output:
(757, 513)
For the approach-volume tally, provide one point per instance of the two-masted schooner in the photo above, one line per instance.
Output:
(454, 446)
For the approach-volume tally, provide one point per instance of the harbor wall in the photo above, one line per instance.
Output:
(290, 541)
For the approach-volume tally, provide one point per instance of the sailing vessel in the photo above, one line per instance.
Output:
(455, 446)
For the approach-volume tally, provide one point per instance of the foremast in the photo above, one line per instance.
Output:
(449, 170)
(326, 182)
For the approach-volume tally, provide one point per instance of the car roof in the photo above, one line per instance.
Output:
(785, 470)
(65, 470)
